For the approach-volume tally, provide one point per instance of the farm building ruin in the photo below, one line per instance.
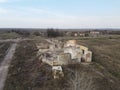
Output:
(57, 55)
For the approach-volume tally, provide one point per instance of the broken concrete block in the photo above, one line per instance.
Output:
(87, 57)
(57, 72)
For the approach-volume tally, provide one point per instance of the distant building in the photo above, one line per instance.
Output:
(94, 33)
(75, 34)
(82, 34)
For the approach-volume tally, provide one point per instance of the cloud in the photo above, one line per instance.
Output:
(8, 1)
(77, 22)
(3, 11)
(29, 17)
(41, 12)
(3, 1)
(31, 12)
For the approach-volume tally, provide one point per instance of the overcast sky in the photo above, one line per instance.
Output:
(59, 13)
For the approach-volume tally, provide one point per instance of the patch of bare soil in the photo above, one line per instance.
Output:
(3, 50)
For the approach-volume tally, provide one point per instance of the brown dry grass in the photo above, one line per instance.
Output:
(28, 73)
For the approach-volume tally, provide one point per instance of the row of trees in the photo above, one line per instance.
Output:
(25, 33)
(48, 33)
(54, 33)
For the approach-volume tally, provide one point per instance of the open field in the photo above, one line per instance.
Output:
(106, 52)
(10, 35)
(27, 72)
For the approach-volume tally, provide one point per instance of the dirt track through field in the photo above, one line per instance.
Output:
(5, 64)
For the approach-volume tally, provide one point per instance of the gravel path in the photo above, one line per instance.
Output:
(5, 64)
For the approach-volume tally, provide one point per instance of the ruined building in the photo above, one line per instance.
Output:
(78, 52)
(71, 53)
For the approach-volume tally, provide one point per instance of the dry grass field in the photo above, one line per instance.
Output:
(27, 72)
(10, 35)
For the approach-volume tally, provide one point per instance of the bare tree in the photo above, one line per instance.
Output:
(80, 81)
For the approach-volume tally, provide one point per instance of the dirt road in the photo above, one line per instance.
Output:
(5, 64)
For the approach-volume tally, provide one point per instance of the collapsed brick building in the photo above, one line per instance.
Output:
(57, 55)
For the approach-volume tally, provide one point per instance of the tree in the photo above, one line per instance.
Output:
(54, 33)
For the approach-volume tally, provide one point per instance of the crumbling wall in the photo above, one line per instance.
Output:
(64, 58)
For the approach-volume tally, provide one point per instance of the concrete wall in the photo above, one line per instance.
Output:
(64, 58)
